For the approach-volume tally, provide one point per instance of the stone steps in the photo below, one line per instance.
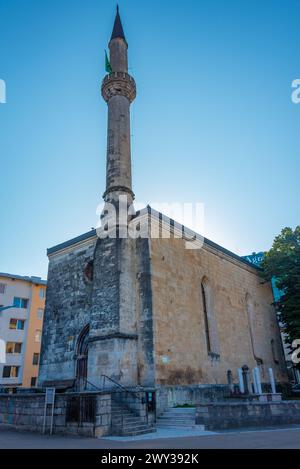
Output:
(121, 412)
(133, 430)
(136, 427)
(139, 432)
(179, 425)
(126, 423)
(179, 418)
(130, 418)
(129, 422)
(175, 421)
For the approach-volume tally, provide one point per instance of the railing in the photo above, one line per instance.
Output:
(126, 391)
(93, 385)
(123, 75)
(119, 400)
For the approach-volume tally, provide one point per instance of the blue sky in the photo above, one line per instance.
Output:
(213, 121)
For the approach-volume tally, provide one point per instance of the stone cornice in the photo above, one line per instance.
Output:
(176, 229)
(114, 335)
(118, 84)
(73, 244)
(118, 189)
(164, 222)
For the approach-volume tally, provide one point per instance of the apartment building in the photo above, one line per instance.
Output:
(20, 329)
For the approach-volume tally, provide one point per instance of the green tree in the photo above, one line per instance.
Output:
(282, 262)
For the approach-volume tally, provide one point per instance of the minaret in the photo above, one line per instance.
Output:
(119, 91)
(113, 338)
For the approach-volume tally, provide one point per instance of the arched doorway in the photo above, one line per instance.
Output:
(82, 358)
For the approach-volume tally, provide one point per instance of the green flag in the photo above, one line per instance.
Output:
(107, 64)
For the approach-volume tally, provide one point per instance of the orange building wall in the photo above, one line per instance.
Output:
(36, 303)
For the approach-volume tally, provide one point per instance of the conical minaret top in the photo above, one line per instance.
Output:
(118, 30)
(118, 90)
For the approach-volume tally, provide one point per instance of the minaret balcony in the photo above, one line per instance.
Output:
(118, 84)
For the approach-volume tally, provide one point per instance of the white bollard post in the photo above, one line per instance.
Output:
(258, 380)
(272, 381)
(241, 381)
(255, 381)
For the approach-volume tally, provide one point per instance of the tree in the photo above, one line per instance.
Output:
(282, 262)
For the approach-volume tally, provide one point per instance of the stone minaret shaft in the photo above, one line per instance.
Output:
(118, 90)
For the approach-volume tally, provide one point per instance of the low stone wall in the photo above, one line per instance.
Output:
(224, 415)
(25, 412)
(172, 396)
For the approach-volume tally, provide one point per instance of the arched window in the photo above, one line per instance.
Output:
(204, 302)
(89, 271)
(210, 324)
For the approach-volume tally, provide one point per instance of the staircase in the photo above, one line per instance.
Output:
(125, 423)
(183, 417)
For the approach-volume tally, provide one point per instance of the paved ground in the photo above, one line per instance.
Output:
(169, 433)
(276, 438)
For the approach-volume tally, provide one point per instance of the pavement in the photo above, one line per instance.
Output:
(275, 438)
(161, 433)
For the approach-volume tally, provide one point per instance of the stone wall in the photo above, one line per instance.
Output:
(116, 304)
(68, 305)
(145, 310)
(172, 396)
(113, 331)
(146, 361)
(220, 416)
(121, 333)
(181, 352)
(25, 412)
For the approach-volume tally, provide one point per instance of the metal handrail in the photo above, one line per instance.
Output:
(127, 391)
(123, 388)
(116, 383)
(91, 384)
(120, 386)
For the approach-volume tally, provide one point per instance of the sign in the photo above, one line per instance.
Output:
(50, 396)
(49, 401)
(255, 258)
